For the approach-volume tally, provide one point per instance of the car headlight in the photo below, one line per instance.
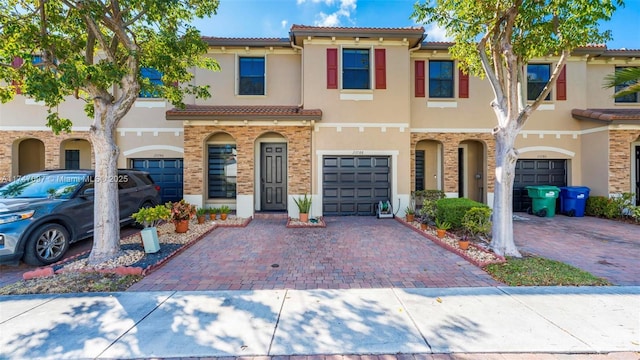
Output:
(8, 218)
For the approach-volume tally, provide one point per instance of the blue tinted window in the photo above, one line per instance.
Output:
(251, 76)
(630, 98)
(440, 79)
(537, 77)
(355, 69)
(155, 78)
(222, 171)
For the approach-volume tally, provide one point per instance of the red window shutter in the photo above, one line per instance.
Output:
(463, 85)
(381, 68)
(561, 84)
(16, 63)
(419, 78)
(332, 68)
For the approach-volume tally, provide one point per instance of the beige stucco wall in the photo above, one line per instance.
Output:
(595, 154)
(283, 82)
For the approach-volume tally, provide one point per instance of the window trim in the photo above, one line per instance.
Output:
(341, 68)
(428, 79)
(237, 74)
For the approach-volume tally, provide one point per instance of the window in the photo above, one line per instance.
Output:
(222, 170)
(155, 78)
(252, 73)
(630, 98)
(537, 78)
(72, 159)
(419, 170)
(441, 79)
(355, 69)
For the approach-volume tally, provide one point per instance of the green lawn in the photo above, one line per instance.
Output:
(537, 271)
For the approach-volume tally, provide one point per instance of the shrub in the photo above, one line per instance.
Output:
(452, 210)
(611, 208)
(477, 221)
(596, 206)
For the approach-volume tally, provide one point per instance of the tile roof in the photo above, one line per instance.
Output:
(607, 115)
(205, 112)
(416, 29)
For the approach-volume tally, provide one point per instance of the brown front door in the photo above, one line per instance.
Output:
(273, 176)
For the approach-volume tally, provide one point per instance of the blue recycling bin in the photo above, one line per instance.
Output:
(573, 200)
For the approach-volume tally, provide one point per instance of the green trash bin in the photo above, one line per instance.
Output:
(543, 199)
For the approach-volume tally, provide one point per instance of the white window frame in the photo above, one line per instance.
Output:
(237, 73)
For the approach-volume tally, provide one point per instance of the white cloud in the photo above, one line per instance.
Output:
(284, 23)
(436, 33)
(343, 12)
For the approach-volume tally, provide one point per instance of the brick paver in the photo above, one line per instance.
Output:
(351, 252)
(606, 248)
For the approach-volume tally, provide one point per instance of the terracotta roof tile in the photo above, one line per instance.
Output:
(416, 29)
(207, 111)
(608, 115)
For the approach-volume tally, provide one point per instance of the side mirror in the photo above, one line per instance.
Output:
(89, 192)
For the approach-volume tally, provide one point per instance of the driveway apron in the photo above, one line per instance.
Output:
(606, 248)
(351, 252)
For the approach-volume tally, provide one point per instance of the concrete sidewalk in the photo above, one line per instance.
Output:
(307, 322)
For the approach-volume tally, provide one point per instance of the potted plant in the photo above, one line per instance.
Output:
(201, 213)
(442, 227)
(410, 213)
(424, 222)
(463, 242)
(224, 211)
(150, 217)
(181, 213)
(304, 206)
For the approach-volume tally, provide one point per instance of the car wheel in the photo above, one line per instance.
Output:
(47, 245)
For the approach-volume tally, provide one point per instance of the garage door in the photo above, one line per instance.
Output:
(536, 172)
(167, 173)
(351, 185)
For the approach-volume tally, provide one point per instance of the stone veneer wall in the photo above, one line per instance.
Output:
(51, 142)
(298, 140)
(450, 142)
(620, 159)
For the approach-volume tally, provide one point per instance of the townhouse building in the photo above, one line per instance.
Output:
(350, 116)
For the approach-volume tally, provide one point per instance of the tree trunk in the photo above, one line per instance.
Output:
(502, 241)
(106, 209)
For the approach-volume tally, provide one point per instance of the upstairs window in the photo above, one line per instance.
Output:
(155, 78)
(537, 78)
(251, 76)
(356, 69)
(441, 83)
(630, 98)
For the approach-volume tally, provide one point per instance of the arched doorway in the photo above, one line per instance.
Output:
(30, 156)
(270, 171)
(428, 165)
(75, 154)
(472, 170)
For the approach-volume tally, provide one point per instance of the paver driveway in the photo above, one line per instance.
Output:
(351, 252)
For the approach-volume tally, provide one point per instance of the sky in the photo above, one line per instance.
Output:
(273, 18)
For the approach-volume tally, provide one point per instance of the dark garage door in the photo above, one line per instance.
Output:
(167, 173)
(351, 185)
(536, 172)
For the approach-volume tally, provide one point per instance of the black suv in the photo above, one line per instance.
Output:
(42, 213)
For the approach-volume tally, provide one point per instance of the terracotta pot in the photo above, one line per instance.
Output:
(463, 244)
(304, 217)
(410, 217)
(201, 219)
(423, 226)
(212, 216)
(223, 216)
(182, 226)
(441, 232)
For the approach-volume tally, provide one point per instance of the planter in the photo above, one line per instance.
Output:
(223, 216)
(410, 217)
(304, 217)
(150, 240)
(212, 216)
(201, 219)
(441, 233)
(423, 226)
(182, 226)
(463, 244)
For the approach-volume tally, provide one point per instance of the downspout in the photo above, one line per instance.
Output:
(411, 50)
(301, 105)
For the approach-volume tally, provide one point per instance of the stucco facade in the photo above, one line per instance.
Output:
(336, 129)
